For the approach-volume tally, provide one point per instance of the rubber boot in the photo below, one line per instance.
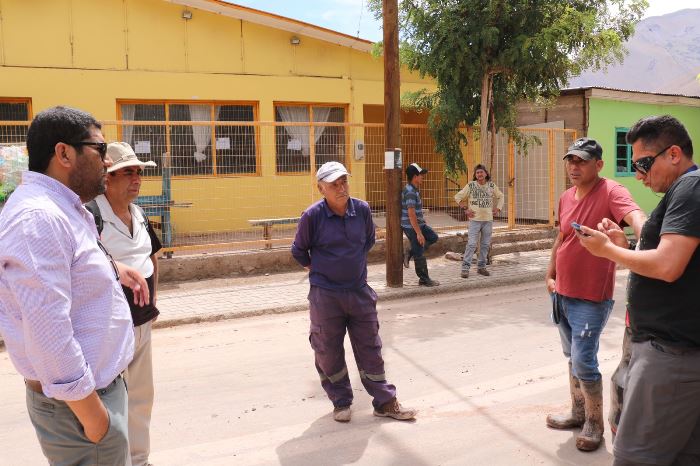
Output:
(422, 272)
(577, 416)
(592, 432)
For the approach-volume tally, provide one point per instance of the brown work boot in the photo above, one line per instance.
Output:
(394, 410)
(483, 271)
(577, 416)
(592, 432)
(464, 274)
(342, 414)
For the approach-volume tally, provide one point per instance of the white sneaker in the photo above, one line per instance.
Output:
(342, 414)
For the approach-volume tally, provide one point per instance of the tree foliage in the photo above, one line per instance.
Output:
(487, 55)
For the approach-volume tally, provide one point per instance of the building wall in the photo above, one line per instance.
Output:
(606, 115)
(570, 107)
(88, 54)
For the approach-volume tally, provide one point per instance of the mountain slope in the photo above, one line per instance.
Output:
(664, 57)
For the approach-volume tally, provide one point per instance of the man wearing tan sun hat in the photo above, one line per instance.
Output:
(129, 237)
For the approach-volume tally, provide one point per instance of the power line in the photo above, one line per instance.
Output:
(359, 23)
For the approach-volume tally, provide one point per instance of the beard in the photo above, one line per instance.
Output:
(86, 180)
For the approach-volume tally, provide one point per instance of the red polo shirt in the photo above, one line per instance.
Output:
(579, 273)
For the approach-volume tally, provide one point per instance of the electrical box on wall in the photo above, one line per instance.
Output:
(359, 150)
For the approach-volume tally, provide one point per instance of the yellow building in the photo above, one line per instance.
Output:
(272, 98)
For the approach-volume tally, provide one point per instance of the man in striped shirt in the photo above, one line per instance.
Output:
(414, 227)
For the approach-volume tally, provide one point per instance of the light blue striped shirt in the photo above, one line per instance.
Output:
(410, 197)
(63, 314)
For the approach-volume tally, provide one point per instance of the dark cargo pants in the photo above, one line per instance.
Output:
(332, 311)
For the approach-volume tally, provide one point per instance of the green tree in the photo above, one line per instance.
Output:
(487, 55)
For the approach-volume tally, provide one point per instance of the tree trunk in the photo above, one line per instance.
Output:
(484, 119)
(492, 115)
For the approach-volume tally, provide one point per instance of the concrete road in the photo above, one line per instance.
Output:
(483, 367)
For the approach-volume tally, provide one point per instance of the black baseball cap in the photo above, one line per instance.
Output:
(585, 149)
(415, 169)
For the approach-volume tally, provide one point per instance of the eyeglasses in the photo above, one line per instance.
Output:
(111, 260)
(100, 146)
(644, 164)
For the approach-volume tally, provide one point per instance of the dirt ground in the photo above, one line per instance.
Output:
(483, 367)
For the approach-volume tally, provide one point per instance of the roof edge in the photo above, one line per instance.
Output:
(265, 18)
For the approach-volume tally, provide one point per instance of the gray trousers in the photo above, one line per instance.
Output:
(63, 439)
(660, 422)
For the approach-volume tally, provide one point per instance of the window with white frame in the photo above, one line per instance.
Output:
(195, 138)
(308, 137)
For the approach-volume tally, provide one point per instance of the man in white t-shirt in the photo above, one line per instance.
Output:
(129, 238)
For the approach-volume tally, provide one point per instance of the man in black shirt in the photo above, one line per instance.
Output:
(660, 422)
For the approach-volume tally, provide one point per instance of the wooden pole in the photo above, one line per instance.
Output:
(392, 141)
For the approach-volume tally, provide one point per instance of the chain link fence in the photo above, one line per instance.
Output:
(242, 185)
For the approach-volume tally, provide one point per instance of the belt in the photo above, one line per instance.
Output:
(35, 386)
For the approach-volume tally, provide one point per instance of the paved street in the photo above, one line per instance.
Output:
(483, 366)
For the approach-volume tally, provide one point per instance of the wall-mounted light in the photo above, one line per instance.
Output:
(295, 40)
(187, 14)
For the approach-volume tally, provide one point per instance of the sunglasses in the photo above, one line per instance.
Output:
(100, 146)
(644, 164)
(111, 260)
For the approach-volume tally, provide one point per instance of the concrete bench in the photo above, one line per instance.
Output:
(268, 223)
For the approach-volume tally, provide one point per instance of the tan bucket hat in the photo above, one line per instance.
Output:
(123, 156)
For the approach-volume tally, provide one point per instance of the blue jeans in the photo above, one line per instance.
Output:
(580, 326)
(477, 228)
(430, 238)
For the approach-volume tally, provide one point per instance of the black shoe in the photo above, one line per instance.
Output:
(428, 282)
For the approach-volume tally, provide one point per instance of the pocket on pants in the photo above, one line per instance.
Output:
(42, 407)
(315, 339)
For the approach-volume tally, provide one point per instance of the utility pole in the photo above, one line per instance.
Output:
(392, 142)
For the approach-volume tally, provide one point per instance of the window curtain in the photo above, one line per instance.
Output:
(128, 113)
(201, 134)
(300, 133)
(321, 115)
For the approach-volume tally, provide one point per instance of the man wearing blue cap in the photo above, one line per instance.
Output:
(333, 238)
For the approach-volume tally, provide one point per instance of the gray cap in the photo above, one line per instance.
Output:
(331, 171)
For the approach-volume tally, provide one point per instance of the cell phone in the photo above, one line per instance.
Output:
(577, 227)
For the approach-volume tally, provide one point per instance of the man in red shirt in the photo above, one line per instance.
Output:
(581, 284)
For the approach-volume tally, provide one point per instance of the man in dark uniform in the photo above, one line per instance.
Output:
(332, 241)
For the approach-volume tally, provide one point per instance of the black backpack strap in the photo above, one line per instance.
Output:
(143, 214)
(95, 211)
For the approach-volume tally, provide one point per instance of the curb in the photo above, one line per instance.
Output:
(388, 294)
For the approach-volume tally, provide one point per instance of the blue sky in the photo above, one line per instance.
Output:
(348, 16)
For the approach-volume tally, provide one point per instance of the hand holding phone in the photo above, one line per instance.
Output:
(577, 227)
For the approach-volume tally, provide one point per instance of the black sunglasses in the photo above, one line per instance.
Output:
(100, 146)
(644, 164)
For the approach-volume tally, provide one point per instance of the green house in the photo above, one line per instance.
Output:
(605, 115)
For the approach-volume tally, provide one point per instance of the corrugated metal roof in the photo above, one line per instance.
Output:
(264, 18)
